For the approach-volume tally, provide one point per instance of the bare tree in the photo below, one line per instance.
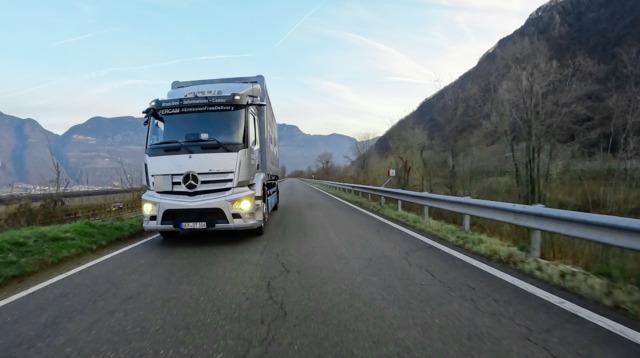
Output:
(361, 156)
(60, 183)
(406, 144)
(451, 119)
(325, 164)
(428, 167)
(626, 105)
(531, 104)
(126, 180)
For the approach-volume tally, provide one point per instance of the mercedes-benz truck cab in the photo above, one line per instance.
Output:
(211, 158)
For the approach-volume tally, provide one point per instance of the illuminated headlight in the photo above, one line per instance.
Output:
(243, 204)
(149, 208)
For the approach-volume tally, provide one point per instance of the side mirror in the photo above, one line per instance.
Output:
(259, 104)
(147, 116)
(151, 112)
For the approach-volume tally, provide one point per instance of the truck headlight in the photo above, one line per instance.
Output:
(149, 208)
(243, 204)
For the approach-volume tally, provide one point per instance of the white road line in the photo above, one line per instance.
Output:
(71, 272)
(593, 317)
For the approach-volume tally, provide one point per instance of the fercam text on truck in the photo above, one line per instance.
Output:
(211, 158)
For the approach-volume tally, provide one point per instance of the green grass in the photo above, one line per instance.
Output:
(27, 250)
(599, 288)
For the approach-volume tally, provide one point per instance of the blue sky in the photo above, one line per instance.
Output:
(350, 67)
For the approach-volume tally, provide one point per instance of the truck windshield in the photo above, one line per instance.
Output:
(225, 127)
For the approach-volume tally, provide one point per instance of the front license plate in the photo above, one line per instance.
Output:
(200, 225)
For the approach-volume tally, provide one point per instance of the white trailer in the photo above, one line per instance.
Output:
(211, 158)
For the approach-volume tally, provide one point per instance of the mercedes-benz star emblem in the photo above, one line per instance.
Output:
(190, 181)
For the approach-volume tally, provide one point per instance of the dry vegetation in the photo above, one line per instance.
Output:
(55, 209)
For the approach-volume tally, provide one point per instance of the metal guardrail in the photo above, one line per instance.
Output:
(37, 197)
(606, 229)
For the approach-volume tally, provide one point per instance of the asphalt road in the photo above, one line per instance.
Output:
(324, 280)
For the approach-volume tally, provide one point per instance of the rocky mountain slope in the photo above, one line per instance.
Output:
(110, 151)
(25, 150)
(298, 150)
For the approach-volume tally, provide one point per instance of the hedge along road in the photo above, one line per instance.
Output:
(324, 280)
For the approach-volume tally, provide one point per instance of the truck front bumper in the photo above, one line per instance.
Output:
(169, 211)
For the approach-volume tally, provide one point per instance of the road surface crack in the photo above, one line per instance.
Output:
(273, 299)
(468, 296)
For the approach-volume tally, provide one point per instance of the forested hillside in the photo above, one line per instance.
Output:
(550, 115)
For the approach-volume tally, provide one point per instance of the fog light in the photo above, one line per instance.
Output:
(148, 208)
(244, 204)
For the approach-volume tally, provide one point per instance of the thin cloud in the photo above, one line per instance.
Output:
(343, 106)
(114, 85)
(300, 22)
(400, 65)
(485, 6)
(410, 80)
(106, 71)
(73, 39)
(19, 92)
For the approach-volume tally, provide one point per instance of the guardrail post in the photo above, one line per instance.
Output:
(369, 196)
(535, 240)
(466, 219)
(382, 200)
(425, 213)
(399, 205)
(466, 222)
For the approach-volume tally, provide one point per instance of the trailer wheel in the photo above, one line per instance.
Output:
(275, 207)
(265, 212)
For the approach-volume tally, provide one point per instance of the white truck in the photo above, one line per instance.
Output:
(211, 158)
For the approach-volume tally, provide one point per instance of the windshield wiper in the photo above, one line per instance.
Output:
(168, 149)
(166, 142)
(200, 140)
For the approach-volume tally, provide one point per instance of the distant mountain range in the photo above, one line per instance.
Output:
(110, 151)
(298, 150)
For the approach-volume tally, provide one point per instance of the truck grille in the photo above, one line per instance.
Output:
(212, 216)
(209, 183)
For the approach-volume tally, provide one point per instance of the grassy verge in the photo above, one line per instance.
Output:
(26, 250)
(594, 287)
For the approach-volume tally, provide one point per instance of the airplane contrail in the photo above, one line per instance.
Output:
(73, 39)
(300, 22)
